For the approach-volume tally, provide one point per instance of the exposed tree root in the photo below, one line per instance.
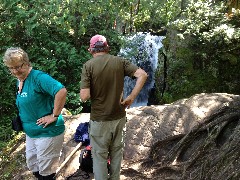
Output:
(210, 151)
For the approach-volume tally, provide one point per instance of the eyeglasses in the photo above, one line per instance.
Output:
(17, 68)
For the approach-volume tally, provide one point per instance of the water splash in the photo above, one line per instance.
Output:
(142, 50)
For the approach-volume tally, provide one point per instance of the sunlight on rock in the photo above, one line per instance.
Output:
(174, 162)
(200, 112)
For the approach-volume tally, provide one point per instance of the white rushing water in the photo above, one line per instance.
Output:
(142, 50)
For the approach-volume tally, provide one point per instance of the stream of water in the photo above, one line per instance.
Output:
(142, 50)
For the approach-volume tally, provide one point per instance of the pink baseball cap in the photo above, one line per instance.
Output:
(98, 41)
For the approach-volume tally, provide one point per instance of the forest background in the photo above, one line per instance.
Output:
(201, 51)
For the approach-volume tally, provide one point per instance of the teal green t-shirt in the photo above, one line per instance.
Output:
(37, 100)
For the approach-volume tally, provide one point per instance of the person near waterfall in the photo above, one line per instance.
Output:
(102, 81)
(39, 99)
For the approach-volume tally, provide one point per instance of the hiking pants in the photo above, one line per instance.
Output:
(107, 140)
(43, 154)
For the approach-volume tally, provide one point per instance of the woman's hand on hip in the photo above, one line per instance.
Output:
(46, 120)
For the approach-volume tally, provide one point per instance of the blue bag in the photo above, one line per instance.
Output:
(81, 134)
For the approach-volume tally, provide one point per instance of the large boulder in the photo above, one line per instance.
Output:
(194, 138)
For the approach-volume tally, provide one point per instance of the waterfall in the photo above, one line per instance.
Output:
(142, 50)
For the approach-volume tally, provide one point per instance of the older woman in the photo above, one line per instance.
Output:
(40, 99)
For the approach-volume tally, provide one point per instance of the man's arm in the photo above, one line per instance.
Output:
(84, 94)
(141, 76)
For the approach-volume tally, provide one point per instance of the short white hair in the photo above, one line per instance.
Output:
(14, 54)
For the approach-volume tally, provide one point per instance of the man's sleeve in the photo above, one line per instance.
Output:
(129, 68)
(85, 78)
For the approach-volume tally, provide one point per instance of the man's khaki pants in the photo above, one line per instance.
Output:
(107, 140)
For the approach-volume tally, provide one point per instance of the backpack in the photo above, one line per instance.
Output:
(81, 134)
(86, 164)
(85, 160)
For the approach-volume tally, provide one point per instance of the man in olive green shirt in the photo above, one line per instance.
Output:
(102, 81)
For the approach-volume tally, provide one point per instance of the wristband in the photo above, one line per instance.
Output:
(53, 115)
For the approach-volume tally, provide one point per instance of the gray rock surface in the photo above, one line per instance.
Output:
(149, 124)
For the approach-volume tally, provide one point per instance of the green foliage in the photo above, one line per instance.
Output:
(147, 15)
(10, 164)
(203, 51)
(56, 35)
(7, 108)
